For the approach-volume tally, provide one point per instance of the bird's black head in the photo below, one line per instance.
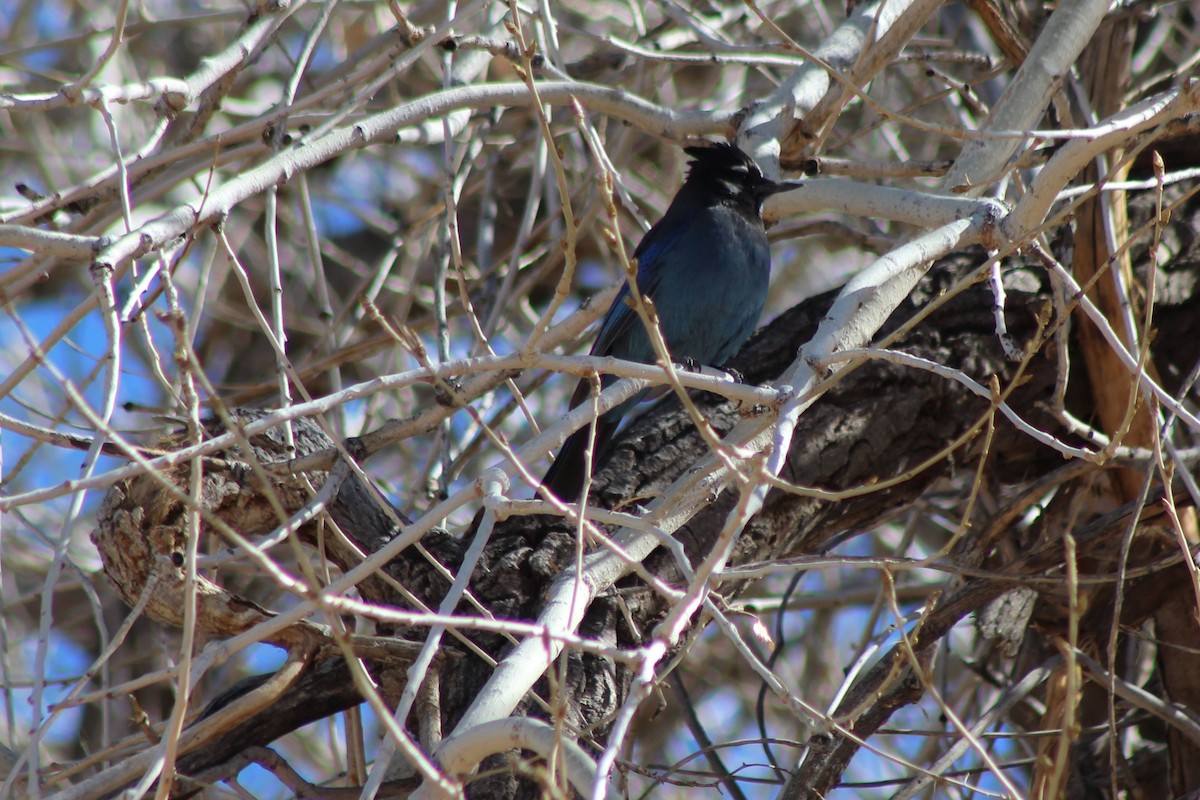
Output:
(724, 170)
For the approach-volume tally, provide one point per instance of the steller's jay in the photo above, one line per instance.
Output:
(705, 265)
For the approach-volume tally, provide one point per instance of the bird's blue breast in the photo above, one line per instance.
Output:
(707, 273)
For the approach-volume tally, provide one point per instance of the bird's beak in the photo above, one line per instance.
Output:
(776, 187)
(769, 188)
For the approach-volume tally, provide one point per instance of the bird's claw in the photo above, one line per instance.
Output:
(746, 411)
(446, 398)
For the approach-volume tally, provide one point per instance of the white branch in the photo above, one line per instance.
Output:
(1067, 32)
(51, 243)
(1076, 154)
(878, 202)
(461, 753)
(212, 206)
(808, 85)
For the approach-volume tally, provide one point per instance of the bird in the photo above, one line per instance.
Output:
(705, 265)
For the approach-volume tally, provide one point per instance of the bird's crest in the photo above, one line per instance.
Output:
(721, 159)
(725, 173)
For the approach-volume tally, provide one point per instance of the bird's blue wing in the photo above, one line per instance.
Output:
(620, 317)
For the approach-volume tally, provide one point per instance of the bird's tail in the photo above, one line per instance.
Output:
(565, 476)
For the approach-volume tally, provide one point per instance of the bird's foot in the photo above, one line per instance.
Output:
(447, 398)
(746, 411)
(692, 365)
(638, 505)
